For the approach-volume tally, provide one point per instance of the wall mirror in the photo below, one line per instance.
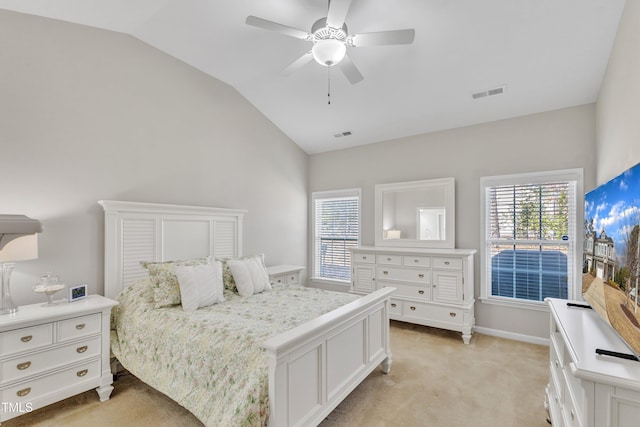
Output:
(416, 214)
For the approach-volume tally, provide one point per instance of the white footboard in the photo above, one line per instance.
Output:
(313, 367)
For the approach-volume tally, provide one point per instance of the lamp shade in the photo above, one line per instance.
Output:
(20, 249)
(329, 52)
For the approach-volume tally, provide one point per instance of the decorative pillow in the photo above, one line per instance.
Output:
(200, 285)
(227, 277)
(166, 291)
(250, 275)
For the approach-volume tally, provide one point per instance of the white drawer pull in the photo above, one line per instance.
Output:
(452, 314)
(27, 338)
(23, 392)
(24, 365)
(80, 326)
(393, 304)
(421, 292)
(82, 373)
(413, 308)
(82, 349)
(421, 276)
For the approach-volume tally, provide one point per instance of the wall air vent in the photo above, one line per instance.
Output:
(341, 134)
(499, 90)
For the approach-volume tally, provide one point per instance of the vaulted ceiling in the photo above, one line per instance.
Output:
(545, 54)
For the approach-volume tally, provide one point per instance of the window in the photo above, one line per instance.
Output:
(529, 236)
(336, 228)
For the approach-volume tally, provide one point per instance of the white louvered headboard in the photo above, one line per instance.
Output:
(135, 231)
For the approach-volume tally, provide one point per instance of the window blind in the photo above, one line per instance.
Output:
(531, 239)
(336, 229)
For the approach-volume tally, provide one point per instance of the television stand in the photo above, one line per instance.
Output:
(584, 388)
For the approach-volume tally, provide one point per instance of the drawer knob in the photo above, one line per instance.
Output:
(82, 373)
(364, 257)
(385, 272)
(421, 292)
(80, 326)
(279, 280)
(393, 304)
(573, 417)
(421, 276)
(23, 392)
(412, 308)
(388, 259)
(24, 365)
(452, 314)
(446, 263)
(26, 338)
(82, 349)
(416, 260)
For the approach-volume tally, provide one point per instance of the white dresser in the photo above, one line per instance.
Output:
(586, 389)
(434, 287)
(50, 353)
(285, 273)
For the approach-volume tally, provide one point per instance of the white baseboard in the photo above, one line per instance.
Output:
(511, 335)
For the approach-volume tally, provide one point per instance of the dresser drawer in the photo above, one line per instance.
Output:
(436, 313)
(22, 367)
(280, 278)
(452, 263)
(78, 327)
(364, 258)
(19, 340)
(31, 390)
(412, 291)
(389, 259)
(395, 307)
(416, 275)
(416, 261)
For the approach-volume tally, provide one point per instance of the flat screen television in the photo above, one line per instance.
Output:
(611, 258)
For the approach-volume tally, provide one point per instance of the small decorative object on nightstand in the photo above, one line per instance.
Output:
(49, 285)
(289, 274)
(47, 355)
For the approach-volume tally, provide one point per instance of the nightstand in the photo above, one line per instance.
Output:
(51, 353)
(289, 274)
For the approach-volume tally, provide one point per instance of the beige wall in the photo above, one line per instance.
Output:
(553, 140)
(87, 114)
(618, 107)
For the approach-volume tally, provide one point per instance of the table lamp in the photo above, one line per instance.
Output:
(18, 242)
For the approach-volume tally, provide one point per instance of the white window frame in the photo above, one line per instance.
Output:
(316, 195)
(575, 275)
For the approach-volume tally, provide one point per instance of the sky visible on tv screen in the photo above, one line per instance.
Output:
(615, 206)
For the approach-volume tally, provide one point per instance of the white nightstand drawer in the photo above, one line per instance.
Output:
(31, 390)
(27, 365)
(389, 259)
(78, 327)
(452, 263)
(404, 274)
(19, 340)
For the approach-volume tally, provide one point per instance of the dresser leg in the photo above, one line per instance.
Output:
(386, 364)
(466, 337)
(104, 392)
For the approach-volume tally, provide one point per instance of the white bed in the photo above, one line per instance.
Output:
(312, 367)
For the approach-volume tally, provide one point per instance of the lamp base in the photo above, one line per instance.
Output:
(6, 302)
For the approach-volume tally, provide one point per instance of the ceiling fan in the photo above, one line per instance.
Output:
(331, 38)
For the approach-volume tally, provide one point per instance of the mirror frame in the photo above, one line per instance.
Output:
(448, 185)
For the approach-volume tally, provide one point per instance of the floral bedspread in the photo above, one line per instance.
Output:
(211, 360)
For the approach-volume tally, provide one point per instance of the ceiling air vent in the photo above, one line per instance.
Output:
(489, 92)
(340, 135)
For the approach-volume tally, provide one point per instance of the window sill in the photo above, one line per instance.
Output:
(527, 305)
(331, 284)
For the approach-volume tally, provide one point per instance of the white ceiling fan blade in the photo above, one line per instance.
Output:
(337, 12)
(273, 26)
(297, 64)
(383, 38)
(350, 70)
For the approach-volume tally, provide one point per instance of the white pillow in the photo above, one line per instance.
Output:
(200, 285)
(250, 275)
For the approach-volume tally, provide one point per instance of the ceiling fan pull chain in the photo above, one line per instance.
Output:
(329, 85)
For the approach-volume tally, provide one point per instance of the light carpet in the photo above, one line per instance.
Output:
(435, 380)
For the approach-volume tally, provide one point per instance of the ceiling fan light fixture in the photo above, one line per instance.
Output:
(329, 52)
